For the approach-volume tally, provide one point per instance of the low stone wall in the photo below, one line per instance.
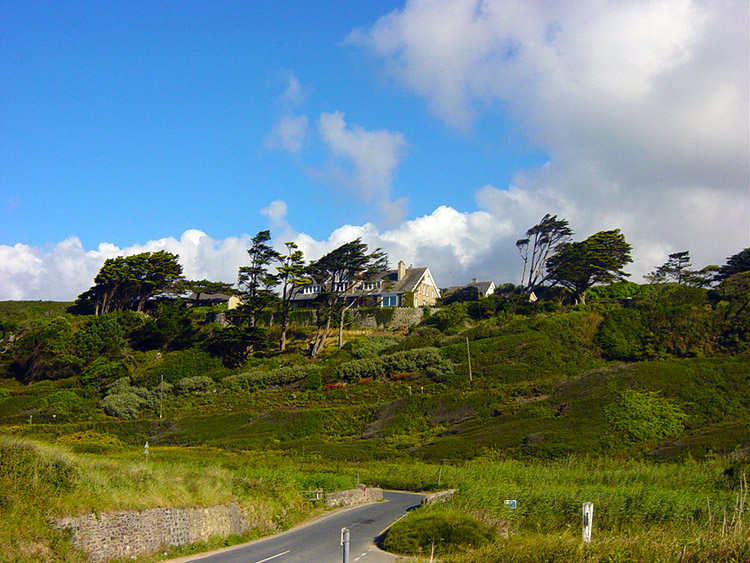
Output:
(359, 495)
(440, 496)
(127, 533)
(398, 318)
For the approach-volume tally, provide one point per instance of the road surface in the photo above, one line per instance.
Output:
(319, 541)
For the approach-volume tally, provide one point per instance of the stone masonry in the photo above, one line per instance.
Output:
(126, 533)
(360, 495)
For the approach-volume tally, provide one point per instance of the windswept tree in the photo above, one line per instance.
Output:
(291, 278)
(340, 274)
(597, 260)
(128, 282)
(541, 242)
(677, 269)
(205, 287)
(736, 264)
(255, 281)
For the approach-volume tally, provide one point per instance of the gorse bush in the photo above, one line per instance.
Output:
(371, 346)
(419, 359)
(261, 379)
(66, 402)
(446, 531)
(197, 384)
(126, 404)
(645, 415)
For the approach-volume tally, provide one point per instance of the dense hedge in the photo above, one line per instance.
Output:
(420, 359)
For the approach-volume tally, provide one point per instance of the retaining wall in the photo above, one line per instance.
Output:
(359, 495)
(128, 533)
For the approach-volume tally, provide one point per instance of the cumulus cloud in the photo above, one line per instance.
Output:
(65, 270)
(289, 133)
(642, 107)
(364, 161)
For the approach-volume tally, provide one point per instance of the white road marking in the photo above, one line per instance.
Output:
(272, 557)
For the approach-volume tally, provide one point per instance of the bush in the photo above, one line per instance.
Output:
(621, 335)
(371, 346)
(451, 316)
(399, 362)
(174, 366)
(123, 405)
(313, 381)
(260, 379)
(101, 371)
(645, 415)
(64, 402)
(445, 530)
(197, 384)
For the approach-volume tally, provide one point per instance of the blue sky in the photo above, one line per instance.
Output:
(439, 130)
(126, 122)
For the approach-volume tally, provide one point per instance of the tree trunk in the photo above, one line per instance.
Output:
(284, 325)
(320, 338)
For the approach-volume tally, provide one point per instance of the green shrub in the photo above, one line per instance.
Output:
(450, 317)
(260, 379)
(64, 402)
(197, 384)
(126, 404)
(408, 361)
(313, 381)
(445, 530)
(101, 371)
(4, 394)
(121, 385)
(371, 346)
(645, 415)
(174, 366)
(621, 335)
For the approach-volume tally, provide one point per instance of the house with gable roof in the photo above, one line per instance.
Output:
(400, 287)
(484, 288)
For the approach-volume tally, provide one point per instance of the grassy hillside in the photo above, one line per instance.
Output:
(556, 406)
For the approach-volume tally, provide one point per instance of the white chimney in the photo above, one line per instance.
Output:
(401, 270)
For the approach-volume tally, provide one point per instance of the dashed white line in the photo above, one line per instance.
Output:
(272, 557)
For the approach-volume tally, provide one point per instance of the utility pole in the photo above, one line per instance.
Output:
(468, 357)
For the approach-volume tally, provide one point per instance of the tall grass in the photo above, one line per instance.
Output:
(642, 512)
(39, 482)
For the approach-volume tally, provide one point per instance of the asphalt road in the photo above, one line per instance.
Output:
(319, 541)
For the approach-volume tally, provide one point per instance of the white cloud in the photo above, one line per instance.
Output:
(294, 94)
(289, 133)
(364, 161)
(65, 270)
(641, 105)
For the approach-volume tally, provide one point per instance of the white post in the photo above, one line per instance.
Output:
(161, 394)
(588, 517)
(468, 357)
(345, 543)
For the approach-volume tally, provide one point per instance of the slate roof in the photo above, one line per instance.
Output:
(409, 283)
(483, 286)
(209, 297)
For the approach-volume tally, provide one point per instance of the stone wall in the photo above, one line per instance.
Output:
(440, 496)
(127, 533)
(360, 495)
(402, 317)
